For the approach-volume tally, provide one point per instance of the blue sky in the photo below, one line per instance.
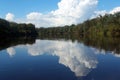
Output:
(108, 4)
(28, 10)
(22, 7)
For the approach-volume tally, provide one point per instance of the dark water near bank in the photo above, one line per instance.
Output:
(57, 60)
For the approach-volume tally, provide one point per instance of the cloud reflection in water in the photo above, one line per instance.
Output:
(79, 58)
(11, 51)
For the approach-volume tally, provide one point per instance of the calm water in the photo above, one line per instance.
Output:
(58, 60)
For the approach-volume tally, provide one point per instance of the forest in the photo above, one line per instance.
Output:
(108, 26)
(12, 29)
(102, 32)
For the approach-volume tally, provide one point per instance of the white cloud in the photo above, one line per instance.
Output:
(9, 16)
(115, 10)
(11, 51)
(68, 12)
(34, 16)
(103, 12)
(98, 13)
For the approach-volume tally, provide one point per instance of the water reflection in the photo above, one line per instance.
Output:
(11, 51)
(79, 58)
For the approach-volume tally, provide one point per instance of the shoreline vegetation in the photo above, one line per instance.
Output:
(102, 33)
(12, 29)
(108, 26)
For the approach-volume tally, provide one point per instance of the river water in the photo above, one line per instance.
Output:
(58, 60)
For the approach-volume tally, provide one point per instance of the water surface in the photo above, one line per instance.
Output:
(58, 60)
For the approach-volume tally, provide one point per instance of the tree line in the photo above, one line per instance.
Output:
(12, 29)
(108, 26)
(102, 32)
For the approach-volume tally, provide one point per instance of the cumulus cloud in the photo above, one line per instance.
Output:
(98, 13)
(11, 51)
(68, 12)
(115, 10)
(103, 12)
(34, 16)
(9, 16)
(79, 58)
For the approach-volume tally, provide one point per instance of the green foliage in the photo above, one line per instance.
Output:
(102, 32)
(108, 25)
(4, 27)
(12, 29)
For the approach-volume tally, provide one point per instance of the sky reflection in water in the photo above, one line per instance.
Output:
(79, 58)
